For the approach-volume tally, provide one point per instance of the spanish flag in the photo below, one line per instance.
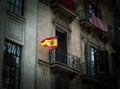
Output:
(50, 42)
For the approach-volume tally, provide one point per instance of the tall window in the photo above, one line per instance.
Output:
(92, 59)
(93, 62)
(11, 65)
(16, 6)
(97, 61)
(92, 9)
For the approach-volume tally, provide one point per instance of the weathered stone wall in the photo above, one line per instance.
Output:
(45, 29)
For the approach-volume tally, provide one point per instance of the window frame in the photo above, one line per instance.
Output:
(94, 58)
(91, 70)
(95, 4)
(13, 51)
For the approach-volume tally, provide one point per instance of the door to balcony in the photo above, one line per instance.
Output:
(62, 46)
(93, 61)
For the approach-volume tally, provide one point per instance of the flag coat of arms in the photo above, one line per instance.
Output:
(50, 42)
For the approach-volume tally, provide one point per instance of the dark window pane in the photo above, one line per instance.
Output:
(15, 6)
(17, 3)
(92, 60)
(16, 9)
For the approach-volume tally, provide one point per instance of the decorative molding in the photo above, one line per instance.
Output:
(61, 25)
(15, 29)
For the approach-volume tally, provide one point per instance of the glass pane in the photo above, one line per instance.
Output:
(12, 7)
(13, 49)
(18, 51)
(17, 2)
(16, 9)
(17, 62)
(8, 6)
(21, 3)
(12, 1)
(20, 11)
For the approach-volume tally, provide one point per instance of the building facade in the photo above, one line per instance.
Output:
(85, 57)
(88, 53)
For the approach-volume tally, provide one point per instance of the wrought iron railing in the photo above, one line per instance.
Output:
(89, 69)
(86, 17)
(69, 60)
(83, 16)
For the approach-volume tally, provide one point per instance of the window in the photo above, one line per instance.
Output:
(16, 6)
(93, 61)
(96, 60)
(11, 65)
(92, 8)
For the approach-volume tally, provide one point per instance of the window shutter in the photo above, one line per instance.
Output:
(116, 64)
(103, 61)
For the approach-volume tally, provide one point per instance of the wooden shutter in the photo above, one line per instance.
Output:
(103, 61)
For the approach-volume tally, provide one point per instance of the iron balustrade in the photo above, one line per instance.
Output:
(83, 16)
(60, 56)
(91, 70)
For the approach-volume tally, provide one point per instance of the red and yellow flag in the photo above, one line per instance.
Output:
(50, 42)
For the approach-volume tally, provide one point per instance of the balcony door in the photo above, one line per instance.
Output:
(62, 46)
(93, 62)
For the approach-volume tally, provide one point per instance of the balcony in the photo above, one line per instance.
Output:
(93, 24)
(90, 72)
(62, 61)
(66, 7)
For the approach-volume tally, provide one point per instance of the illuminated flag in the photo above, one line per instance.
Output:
(50, 42)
